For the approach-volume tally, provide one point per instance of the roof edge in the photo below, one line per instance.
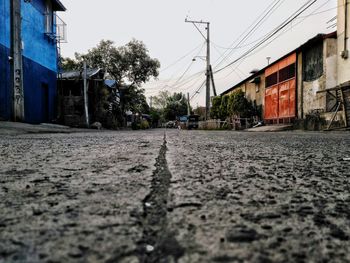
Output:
(58, 6)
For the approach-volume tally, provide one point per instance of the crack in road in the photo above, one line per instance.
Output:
(158, 244)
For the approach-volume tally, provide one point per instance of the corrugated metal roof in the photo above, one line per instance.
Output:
(111, 83)
(58, 6)
(78, 74)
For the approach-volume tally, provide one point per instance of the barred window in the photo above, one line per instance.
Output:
(271, 80)
(287, 73)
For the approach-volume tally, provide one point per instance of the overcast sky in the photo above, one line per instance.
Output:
(160, 24)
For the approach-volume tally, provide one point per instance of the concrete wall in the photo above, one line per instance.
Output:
(343, 64)
(312, 101)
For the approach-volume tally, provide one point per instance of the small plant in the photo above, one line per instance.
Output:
(144, 125)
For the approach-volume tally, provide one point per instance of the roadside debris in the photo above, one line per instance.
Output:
(149, 248)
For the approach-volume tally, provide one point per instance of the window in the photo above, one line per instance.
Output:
(48, 17)
(313, 62)
(287, 73)
(271, 80)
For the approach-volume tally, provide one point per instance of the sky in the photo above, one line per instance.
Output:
(160, 24)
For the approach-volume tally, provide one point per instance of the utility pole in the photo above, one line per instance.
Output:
(86, 103)
(17, 63)
(207, 74)
(188, 104)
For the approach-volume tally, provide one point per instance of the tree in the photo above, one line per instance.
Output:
(176, 106)
(223, 110)
(238, 105)
(130, 65)
(215, 109)
(126, 64)
(160, 101)
(69, 64)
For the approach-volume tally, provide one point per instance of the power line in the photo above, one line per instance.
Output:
(198, 90)
(252, 28)
(279, 35)
(181, 58)
(273, 32)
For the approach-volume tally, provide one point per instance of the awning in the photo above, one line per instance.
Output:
(58, 6)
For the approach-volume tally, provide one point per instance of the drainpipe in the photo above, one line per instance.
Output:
(345, 52)
(301, 86)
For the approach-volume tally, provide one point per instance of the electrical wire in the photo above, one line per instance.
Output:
(251, 29)
(181, 58)
(272, 33)
(280, 34)
(198, 90)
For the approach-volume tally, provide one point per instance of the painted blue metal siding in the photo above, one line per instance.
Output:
(36, 108)
(39, 64)
(5, 74)
(37, 47)
(5, 23)
(5, 84)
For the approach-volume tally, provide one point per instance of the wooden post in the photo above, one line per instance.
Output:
(344, 108)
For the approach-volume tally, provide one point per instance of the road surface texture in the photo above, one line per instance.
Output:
(189, 196)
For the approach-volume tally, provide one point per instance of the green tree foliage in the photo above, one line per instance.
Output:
(156, 115)
(160, 101)
(215, 109)
(176, 106)
(130, 65)
(238, 105)
(223, 110)
(69, 64)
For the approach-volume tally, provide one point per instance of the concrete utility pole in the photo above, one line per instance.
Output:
(188, 104)
(86, 103)
(17, 63)
(207, 74)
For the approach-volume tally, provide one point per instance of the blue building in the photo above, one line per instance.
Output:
(29, 59)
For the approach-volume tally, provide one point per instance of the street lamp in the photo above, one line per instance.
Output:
(201, 57)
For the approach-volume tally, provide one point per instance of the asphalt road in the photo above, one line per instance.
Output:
(189, 196)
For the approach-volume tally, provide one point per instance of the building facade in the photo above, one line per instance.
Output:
(298, 86)
(29, 59)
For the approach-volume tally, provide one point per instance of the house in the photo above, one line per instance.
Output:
(296, 87)
(102, 96)
(29, 37)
